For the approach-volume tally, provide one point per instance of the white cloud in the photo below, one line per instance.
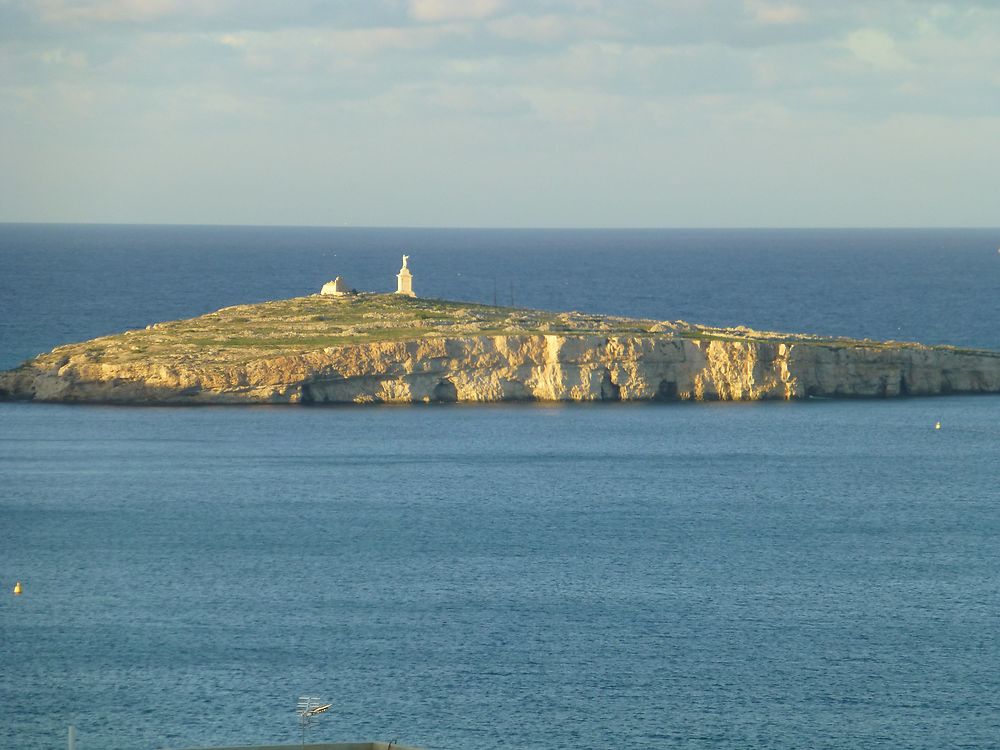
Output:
(115, 11)
(770, 14)
(479, 101)
(59, 56)
(371, 42)
(539, 29)
(502, 83)
(448, 10)
(548, 29)
(233, 40)
(877, 49)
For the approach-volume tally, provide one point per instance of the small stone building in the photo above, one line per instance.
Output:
(336, 287)
(404, 280)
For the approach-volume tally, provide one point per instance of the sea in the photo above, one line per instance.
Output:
(818, 574)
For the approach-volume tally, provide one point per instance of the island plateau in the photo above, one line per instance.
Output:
(394, 348)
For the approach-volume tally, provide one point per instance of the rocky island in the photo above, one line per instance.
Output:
(394, 348)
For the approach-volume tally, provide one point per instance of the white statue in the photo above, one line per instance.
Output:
(404, 280)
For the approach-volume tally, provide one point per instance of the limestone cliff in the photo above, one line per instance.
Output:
(624, 360)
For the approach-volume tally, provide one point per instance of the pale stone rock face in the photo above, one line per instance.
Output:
(543, 367)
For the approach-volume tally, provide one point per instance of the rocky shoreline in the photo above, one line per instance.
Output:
(521, 367)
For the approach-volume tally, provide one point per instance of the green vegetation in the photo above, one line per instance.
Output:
(294, 326)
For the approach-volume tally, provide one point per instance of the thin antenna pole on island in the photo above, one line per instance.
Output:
(71, 739)
(512, 294)
(494, 291)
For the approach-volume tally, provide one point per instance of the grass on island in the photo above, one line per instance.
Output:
(302, 324)
(293, 326)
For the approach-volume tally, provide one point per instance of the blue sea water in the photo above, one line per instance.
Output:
(820, 574)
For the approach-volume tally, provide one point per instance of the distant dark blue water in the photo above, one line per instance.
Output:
(63, 283)
(818, 574)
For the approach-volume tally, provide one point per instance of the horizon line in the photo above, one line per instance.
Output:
(425, 227)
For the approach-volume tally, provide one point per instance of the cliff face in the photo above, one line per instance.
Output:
(516, 367)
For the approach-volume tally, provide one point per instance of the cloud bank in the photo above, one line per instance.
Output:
(500, 112)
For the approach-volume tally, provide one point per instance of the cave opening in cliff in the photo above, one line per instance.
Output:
(610, 391)
(667, 391)
(445, 391)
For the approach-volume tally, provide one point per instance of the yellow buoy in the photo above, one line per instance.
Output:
(937, 425)
(17, 588)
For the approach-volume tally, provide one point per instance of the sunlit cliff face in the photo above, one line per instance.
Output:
(521, 367)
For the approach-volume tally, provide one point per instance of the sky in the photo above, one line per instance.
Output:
(501, 113)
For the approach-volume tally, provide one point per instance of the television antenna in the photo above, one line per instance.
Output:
(308, 709)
